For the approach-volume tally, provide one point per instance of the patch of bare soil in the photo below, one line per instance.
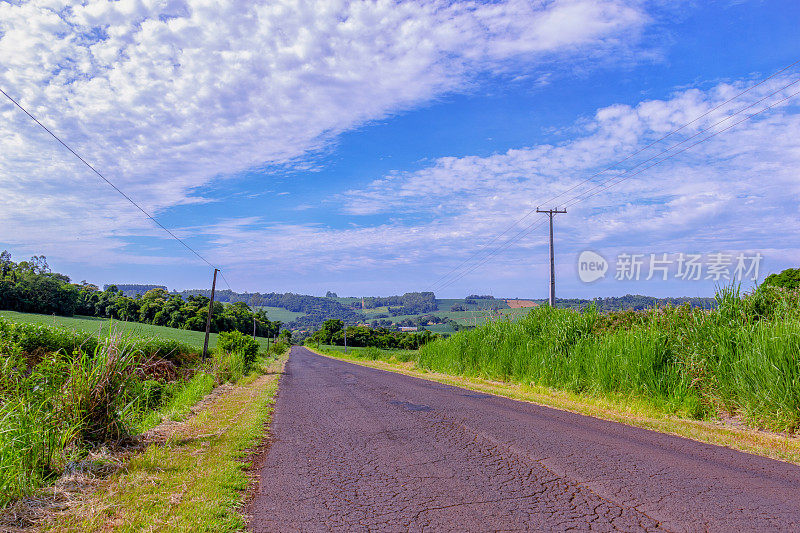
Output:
(167, 428)
(520, 304)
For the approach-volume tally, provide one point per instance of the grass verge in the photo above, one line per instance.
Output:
(623, 408)
(180, 403)
(192, 479)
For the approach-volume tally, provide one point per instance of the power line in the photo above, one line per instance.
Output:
(505, 245)
(611, 166)
(525, 231)
(225, 280)
(137, 206)
(623, 177)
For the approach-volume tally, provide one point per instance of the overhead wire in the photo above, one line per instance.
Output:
(610, 167)
(98, 173)
(625, 175)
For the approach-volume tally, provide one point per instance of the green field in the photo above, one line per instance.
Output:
(475, 312)
(279, 313)
(101, 327)
(445, 303)
(466, 318)
(441, 328)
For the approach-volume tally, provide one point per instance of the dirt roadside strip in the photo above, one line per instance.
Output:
(358, 449)
(191, 477)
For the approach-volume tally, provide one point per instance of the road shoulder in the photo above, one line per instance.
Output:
(193, 479)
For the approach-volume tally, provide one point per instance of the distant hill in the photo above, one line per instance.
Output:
(131, 290)
(315, 309)
(423, 309)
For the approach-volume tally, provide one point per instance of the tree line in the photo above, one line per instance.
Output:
(332, 332)
(31, 287)
(410, 303)
(316, 309)
(132, 289)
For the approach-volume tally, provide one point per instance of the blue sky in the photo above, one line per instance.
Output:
(374, 148)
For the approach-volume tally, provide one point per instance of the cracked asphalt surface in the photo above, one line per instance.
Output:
(359, 449)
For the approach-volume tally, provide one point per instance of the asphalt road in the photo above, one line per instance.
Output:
(358, 449)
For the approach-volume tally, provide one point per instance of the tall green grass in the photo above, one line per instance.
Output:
(31, 441)
(49, 412)
(63, 392)
(742, 358)
(177, 401)
(561, 349)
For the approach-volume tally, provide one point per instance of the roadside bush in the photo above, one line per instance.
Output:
(36, 340)
(237, 342)
(94, 396)
(181, 354)
(149, 394)
(62, 392)
(234, 356)
(278, 348)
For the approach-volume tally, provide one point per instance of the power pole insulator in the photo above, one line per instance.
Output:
(551, 213)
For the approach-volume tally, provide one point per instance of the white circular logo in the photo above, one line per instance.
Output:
(591, 266)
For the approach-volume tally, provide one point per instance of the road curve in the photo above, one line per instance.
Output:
(359, 449)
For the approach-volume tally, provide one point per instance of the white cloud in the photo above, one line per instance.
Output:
(735, 192)
(167, 95)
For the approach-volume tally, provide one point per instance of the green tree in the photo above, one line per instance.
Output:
(789, 279)
(151, 303)
(330, 328)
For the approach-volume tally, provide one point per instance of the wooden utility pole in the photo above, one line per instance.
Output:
(345, 337)
(551, 213)
(210, 310)
(254, 328)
